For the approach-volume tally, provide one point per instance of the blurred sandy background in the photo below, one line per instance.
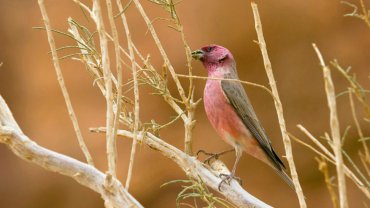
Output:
(28, 84)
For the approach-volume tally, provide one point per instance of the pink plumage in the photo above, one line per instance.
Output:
(230, 112)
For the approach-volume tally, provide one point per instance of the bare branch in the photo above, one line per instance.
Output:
(331, 158)
(232, 80)
(359, 131)
(189, 121)
(323, 167)
(161, 49)
(278, 106)
(136, 93)
(98, 18)
(12, 136)
(196, 170)
(335, 132)
(60, 78)
(119, 86)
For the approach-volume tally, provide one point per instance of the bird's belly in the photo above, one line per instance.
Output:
(222, 115)
(227, 122)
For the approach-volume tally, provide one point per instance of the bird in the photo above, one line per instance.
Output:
(231, 113)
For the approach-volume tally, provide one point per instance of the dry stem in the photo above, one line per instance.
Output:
(136, 93)
(189, 121)
(323, 167)
(12, 136)
(60, 78)
(196, 170)
(331, 158)
(278, 106)
(119, 85)
(98, 18)
(365, 13)
(335, 132)
(161, 49)
(190, 104)
(365, 157)
(232, 80)
(119, 79)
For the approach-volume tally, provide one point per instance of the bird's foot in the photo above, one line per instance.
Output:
(227, 178)
(212, 155)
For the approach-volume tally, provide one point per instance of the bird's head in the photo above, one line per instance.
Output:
(213, 57)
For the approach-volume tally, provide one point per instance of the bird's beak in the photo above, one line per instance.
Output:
(197, 55)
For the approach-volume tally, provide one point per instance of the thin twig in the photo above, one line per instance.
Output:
(161, 49)
(232, 80)
(278, 106)
(60, 78)
(119, 85)
(98, 18)
(136, 94)
(359, 131)
(335, 132)
(347, 171)
(365, 13)
(189, 123)
(323, 167)
(357, 88)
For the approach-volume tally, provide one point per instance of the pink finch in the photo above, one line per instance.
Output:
(231, 113)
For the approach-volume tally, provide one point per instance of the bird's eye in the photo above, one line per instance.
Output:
(223, 59)
(209, 49)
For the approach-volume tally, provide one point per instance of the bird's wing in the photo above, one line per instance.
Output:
(238, 98)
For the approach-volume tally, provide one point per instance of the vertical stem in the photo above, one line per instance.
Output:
(359, 131)
(119, 84)
(98, 18)
(161, 50)
(189, 125)
(365, 13)
(189, 122)
(278, 106)
(60, 78)
(136, 94)
(335, 131)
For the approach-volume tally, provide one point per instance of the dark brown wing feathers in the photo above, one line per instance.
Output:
(237, 97)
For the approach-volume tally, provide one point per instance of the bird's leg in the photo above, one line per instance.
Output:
(213, 155)
(226, 178)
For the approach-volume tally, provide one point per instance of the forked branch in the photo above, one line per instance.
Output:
(196, 170)
(109, 188)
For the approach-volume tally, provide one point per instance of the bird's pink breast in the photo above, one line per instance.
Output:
(226, 121)
(222, 115)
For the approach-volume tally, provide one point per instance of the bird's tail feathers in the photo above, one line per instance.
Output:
(285, 177)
